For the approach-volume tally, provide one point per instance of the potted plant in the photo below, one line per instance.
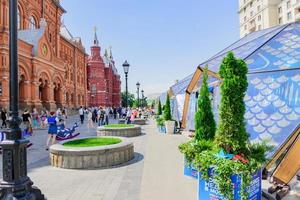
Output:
(161, 124)
(231, 168)
(205, 128)
(169, 123)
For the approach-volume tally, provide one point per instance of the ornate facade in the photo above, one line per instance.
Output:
(104, 84)
(52, 63)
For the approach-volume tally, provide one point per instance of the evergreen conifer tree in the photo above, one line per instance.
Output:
(159, 109)
(167, 109)
(205, 125)
(231, 133)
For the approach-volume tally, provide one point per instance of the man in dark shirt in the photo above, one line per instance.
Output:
(26, 119)
(3, 116)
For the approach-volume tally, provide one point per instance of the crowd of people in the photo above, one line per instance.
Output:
(102, 115)
(95, 116)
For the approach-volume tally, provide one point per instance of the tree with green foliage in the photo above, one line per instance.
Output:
(131, 99)
(205, 125)
(159, 109)
(167, 110)
(231, 134)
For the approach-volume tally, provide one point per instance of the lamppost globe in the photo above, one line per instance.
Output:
(126, 67)
(138, 85)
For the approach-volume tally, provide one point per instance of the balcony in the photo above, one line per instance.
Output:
(252, 26)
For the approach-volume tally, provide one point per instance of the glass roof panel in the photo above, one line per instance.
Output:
(282, 52)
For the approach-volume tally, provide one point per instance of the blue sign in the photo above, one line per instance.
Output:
(208, 190)
(190, 171)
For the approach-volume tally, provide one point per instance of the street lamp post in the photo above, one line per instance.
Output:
(16, 184)
(126, 70)
(138, 93)
(143, 98)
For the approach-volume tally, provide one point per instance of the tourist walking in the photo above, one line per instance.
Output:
(26, 117)
(101, 114)
(35, 118)
(107, 114)
(3, 116)
(128, 116)
(52, 121)
(115, 112)
(81, 114)
(90, 120)
(43, 119)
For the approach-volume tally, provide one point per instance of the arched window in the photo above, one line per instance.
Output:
(32, 23)
(19, 18)
(94, 89)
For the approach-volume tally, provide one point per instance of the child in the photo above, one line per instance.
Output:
(52, 120)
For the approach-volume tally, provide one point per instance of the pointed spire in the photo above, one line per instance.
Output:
(106, 53)
(96, 42)
(110, 53)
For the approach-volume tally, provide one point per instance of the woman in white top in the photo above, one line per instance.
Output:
(90, 119)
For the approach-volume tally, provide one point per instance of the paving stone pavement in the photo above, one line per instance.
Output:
(118, 183)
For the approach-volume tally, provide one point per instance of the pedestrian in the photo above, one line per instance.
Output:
(52, 121)
(81, 114)
(115, 112)
(106, 115)
(90, 119)
(35, 118)
(3, 116)
(26, 117)
(101, 114)
(43, 119)
(128, 115)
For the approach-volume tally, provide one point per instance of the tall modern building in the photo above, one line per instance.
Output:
(261, 14)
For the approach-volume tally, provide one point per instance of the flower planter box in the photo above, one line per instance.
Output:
(190, 171)
(161, 129)
(209, 190)
(170, 127)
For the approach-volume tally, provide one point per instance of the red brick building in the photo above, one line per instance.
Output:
(52, 63)
(104, 84)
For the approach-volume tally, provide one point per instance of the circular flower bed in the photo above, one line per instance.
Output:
(92, 142)
(121, 130)
(91, 153)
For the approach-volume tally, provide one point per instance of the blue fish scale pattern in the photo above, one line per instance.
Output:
(273, 106)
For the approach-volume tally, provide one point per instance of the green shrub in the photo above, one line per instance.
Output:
(205, 125)
(192, 148)
(167, 110)
(231, 134)
(159, 109)
(160, 121)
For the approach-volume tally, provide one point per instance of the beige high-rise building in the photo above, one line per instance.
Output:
(261, 14)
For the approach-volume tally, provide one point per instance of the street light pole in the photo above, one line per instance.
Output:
(16, 184)
(138, 93)
(126, 70)
(143, 98)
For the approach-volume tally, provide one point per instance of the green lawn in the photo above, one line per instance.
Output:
(119, 126)
(92, 142)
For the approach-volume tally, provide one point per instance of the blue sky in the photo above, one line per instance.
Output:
(163, 40)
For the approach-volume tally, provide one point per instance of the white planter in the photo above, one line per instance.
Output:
(170, 127)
